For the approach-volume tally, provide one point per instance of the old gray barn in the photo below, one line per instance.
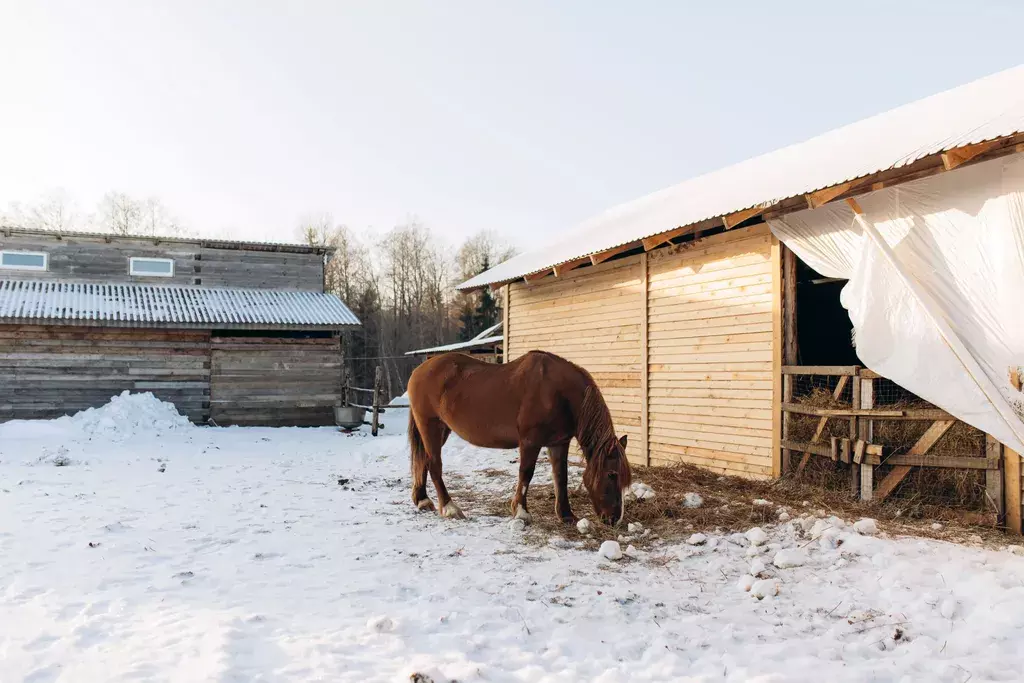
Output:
(230, 332)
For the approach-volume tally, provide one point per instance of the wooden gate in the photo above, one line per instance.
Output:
(274, 382)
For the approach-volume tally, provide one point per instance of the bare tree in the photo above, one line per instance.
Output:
(122, 214)
(53, 211)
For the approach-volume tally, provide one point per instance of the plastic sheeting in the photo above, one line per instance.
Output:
(936, 286)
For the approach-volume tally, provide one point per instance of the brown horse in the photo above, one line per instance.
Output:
(535, 401)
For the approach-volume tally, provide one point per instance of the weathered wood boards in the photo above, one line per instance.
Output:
(105, 259)
(274, 381)
(47, 372)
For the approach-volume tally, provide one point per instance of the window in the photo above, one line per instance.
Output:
(151, 267)
(23, 260)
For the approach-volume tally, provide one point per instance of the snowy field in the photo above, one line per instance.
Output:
(137, 548)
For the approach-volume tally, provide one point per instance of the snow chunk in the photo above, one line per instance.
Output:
(765, 588)
(756, 536)
(642, 491)
(948, 608)
(697, 539)
(610, 550)
(790, 557)
(745, 583)
(583, 526)
(761, 502)
(784, 516)
(692, 500)
(635, 528)
(517, 525)
(866, 526)
(128, 414)
(936, 527)
(757, 567)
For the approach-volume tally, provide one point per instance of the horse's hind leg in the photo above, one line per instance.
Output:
(559, 457)
(527, 463)
(434, 437)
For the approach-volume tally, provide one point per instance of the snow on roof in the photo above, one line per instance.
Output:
(168, 305)
(483, 339)
(979, 111)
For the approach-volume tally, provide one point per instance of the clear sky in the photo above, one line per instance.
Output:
(522, 117)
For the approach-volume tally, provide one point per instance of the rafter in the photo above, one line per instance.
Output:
(563, 268)
(603, 256)
(734, 219)
(961, 155)
(816, 199)
(655, 241)
(531, 277)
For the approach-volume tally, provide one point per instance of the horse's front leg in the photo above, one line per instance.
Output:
(527, 462)
(559, 457)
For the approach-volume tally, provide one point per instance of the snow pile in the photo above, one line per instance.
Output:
(399, 401)
(129, 414)
(642, 491)
(692, 500)
(610, 550)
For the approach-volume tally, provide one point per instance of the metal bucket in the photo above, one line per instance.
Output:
(349, 417)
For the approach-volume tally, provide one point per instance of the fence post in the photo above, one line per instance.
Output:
(864, 433)
(376, 401)
(855, 432)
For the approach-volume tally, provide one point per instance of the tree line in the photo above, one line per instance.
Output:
(400, 284)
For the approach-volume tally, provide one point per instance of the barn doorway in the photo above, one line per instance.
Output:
(824, 330)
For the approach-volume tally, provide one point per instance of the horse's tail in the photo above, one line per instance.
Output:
(418, 453)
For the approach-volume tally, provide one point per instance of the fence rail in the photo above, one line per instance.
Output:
(851, 394)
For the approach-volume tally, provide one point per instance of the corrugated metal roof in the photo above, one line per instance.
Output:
(483, 339)
(982, 110)
(50, 301)
(210, 243)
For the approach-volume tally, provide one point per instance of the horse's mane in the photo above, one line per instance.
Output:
(594, 428)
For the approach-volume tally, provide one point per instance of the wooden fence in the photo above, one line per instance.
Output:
(855, 441)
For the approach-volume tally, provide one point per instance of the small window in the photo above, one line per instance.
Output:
(24, 260)
(151, 267)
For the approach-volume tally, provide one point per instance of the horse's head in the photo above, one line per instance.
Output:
(606, 477)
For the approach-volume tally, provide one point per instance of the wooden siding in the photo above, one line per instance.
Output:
(711, 372)
(272, 381)
(47, 372)
(591, 317)
(95, 259)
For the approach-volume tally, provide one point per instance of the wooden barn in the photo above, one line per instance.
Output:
(487, 346)
(702, 308)
(232, 333)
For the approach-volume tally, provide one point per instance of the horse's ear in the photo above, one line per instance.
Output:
(622, 441)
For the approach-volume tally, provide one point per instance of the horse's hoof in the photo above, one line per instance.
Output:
(425, 505)
(522, 514)
(570, 520)
(452, 511)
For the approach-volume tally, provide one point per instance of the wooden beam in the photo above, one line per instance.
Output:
(816, 199)
(865, 434)
(923, 445)
(655, 241)
(778, 466)
(994, 478)
(645, 366)
(843, 412)
(563, 268)
(1011, 475)
(734, 219)
(603, 256)
(505, 330)
(849, 370)
(855, 206)
(961, 155)
(533, 277)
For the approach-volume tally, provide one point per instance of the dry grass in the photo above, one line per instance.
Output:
(728, 507)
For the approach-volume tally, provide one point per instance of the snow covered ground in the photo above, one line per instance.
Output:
(134, 547)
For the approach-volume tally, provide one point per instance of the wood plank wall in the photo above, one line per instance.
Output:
(709, 331)
(94, 259)
(279, 382)
(592, 318)
(46, 371)
(711, 366)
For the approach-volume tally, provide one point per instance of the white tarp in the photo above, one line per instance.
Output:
(936, 286)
